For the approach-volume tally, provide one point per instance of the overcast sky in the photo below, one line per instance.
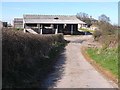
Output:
(94, 9)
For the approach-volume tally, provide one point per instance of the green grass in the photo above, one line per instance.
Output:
(87, 30)
(108, 58)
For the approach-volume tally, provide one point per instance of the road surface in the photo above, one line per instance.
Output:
(73, 71)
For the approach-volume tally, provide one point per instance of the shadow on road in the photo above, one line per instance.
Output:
(57, 72)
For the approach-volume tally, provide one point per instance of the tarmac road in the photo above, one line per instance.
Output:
(73, 71)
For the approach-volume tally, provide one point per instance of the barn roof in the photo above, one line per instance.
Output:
(55, 19)
(18, 19)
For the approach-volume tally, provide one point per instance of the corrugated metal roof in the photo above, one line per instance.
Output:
(58, 19)
(18, 19)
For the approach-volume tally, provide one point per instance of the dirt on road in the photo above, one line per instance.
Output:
(73, 71)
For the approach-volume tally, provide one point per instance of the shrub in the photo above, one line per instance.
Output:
(26, 57)
(97, 34)
(107, 34)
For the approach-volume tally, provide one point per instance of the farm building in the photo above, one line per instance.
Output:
(18, 22)
(5, 24)
(1, 25)
(45, 24)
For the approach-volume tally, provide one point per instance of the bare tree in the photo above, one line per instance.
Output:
(104, 18)
(84, 17)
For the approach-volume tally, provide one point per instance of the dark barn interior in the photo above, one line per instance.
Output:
(50, 28)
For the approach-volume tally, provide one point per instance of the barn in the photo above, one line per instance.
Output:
(51, 24)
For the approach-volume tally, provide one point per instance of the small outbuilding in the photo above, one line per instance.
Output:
(18, 23)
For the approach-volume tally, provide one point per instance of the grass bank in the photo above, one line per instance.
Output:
(28, 58)
(107, 58)
(86, 30)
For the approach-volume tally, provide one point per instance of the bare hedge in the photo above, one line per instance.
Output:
(107, 35)
(26, 57)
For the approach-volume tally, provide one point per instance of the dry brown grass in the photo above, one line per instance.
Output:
(107, 35)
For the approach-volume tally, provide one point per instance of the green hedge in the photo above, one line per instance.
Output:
(27, 58)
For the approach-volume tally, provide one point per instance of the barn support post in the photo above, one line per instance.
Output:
(41, 29)
(81, 25)
(56, 31)
(24, 27)
(64, 26)
(71, 29)
(38, 25)
(52, 28)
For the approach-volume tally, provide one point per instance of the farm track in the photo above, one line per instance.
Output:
(73, 71)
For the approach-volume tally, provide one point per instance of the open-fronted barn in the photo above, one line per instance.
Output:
(45, 24)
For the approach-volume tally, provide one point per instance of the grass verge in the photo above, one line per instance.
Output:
(87, 30)
(90, 55)
(108, 58)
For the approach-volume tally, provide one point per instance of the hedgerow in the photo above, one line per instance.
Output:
(26, 58)
(107, 35)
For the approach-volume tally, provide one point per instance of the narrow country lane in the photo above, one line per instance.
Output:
(73, 71)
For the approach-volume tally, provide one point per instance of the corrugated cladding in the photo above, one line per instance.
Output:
(18, 22)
